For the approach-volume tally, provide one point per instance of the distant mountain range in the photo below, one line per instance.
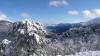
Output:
(5, 26)
(27, 37)
(94, 21)
(59, 28)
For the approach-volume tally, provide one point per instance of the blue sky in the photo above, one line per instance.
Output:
(50, 11)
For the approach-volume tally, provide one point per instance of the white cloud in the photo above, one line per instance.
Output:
(73, 13)
(25, 15)
(94, 13)
(3, 16)
(64, 2)
(58, 3)
(88, 14)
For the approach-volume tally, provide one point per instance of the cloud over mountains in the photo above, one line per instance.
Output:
(3, 16)
(93, 13)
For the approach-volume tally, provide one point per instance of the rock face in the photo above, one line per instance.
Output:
(26, 36)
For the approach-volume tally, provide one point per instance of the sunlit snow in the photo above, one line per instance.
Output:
(6, 41)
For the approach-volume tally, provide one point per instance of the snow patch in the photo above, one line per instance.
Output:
(32, 29)
(22, 31)
(37, 37)
(6, 41)
(88, 53)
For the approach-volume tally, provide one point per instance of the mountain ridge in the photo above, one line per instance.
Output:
(28, 37)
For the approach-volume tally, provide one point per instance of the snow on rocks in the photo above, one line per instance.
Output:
(32, 26)
(88, 53)
(32, 29)
(6, 41)
(37, 37)
(22, 31)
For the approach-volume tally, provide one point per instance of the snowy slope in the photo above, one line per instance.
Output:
(24, 37)
(29, 27)
(89, 53)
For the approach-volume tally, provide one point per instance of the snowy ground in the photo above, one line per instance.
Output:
(90, 53)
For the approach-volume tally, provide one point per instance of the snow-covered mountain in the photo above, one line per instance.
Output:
(76, 37)
(29, 27)
(59, 28)
(26, 37)
(88, 53)
(94, 21)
